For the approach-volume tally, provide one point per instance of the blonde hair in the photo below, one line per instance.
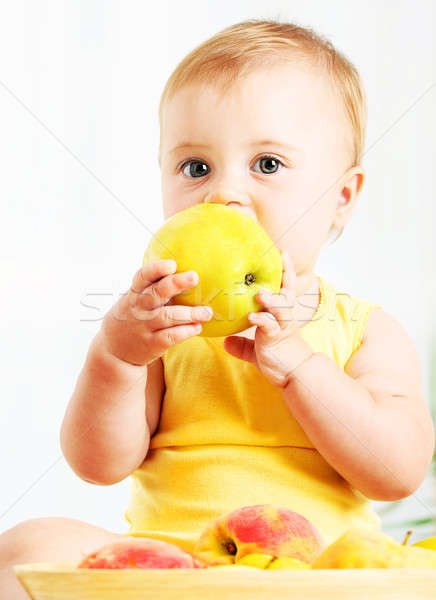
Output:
(243, 47)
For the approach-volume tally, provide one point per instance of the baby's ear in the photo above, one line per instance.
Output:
(349, 188)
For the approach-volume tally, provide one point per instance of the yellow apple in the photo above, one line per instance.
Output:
(369, 549)
(429, 543)
(260, 561)
(287, 562)
(232, 255)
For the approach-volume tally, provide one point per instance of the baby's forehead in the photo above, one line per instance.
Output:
(309, 80)
(292, 90)
(296, 101)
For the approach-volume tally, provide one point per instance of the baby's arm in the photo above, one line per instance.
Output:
(115, 405)
(370, 421)
(105, 434)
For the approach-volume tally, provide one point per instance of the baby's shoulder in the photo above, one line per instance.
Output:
(380, 325)
(386, 347)
(379, 341)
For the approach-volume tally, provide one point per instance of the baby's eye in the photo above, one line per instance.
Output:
(269, 164)
(194, 170)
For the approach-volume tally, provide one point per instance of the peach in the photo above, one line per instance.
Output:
(141, 553)
(258, 529)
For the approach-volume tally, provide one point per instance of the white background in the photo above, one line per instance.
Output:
(80, 83)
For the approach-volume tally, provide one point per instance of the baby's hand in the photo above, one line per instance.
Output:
(278, 346)
(141, 326)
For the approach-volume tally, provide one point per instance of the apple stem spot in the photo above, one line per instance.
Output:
(230, 547)
(406, 537)
(249, 279)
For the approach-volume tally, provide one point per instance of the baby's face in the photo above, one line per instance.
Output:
(273, 148)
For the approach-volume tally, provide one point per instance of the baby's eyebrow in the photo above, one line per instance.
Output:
(183, 145)
(253, 143)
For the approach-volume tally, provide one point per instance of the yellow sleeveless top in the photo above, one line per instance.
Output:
(226, 439)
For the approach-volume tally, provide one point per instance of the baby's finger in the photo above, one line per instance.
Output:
(151, 272)
(278, 306)
(170, 316)
(165, 338)
(159, 293)
(289, 277)
(266, 322)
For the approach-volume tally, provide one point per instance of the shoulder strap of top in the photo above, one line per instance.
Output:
(346, 314)
(359, 318)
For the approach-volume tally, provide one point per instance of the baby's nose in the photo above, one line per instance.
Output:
(227, 197)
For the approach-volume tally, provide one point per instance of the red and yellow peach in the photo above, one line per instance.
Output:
(259, 529)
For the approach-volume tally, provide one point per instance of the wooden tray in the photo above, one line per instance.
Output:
(61, 581)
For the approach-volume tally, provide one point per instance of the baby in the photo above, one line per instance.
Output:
(318, 406)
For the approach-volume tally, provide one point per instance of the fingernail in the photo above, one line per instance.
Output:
(203, 312)
(208, 312)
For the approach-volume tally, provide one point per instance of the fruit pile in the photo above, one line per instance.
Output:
(265, 536)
